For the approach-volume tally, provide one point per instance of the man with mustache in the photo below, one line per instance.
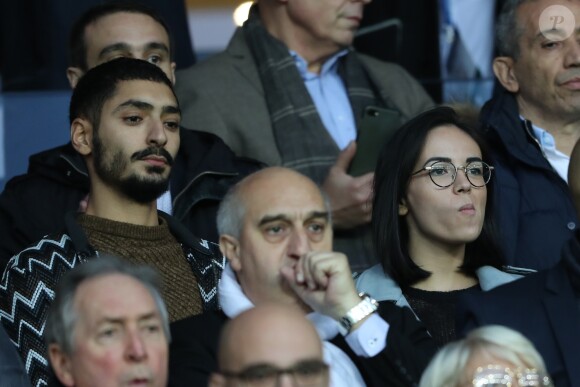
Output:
(125, 124)
(113, 341)
(204, 166)
(532, 124)
(290, 91)
(276, 233)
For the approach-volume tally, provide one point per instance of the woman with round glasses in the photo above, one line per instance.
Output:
(432, 221)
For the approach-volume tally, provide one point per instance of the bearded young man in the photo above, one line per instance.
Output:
(125, 123)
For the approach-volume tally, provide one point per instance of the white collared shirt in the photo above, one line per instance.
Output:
(557, 159)
(368, 340)
(164, 203)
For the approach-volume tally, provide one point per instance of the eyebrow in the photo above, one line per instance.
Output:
(126, 47)
(134, 103)
(558, 31)
(120, 320)
(141, 105)
(447, 159)
(283, 217)
(170, 110)
(437, 158)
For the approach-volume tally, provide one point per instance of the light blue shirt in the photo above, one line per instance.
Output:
(330, 98)
(557, 159)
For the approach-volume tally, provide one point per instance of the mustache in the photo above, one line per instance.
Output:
(568, 75)
(153, 151)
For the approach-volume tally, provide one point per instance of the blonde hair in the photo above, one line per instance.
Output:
(447, 367)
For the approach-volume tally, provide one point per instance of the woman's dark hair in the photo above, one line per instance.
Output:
(392, 174)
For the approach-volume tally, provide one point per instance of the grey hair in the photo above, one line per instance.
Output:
(445, 369)
(507, 29)
(232, 210)
(62, 316)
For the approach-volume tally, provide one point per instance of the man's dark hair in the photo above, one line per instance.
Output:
(507, 29)
(100, 83)
(77, 44)
(393, 171)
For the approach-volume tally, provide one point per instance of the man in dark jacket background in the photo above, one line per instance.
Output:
(34, 204)
(544, 306)
(532, 125)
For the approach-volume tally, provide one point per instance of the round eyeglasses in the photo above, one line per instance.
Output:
(443, 173)
(494, 375)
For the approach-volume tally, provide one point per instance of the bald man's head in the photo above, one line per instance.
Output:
(574, 176)
(268, 221)
(266, 339)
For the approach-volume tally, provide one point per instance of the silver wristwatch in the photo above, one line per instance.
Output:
(367, 306)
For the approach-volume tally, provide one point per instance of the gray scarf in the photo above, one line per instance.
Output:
(302, 140)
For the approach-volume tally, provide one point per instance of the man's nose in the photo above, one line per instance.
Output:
(573, 54)
(299, 244)
(157, 135)
(136, 349)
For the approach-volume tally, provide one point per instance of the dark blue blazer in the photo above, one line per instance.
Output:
(543, 307)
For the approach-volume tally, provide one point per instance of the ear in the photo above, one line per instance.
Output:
(74, 74)
(172, 78)
(61, 365)
(216, 380)
(230, 248)
(403, 209)
(81, 136)
(503, 68)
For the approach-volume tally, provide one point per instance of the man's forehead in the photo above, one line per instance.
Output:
(286, 207)
(104, 288)
(98, 299)
(538, 16)
(155, 93)
(126, 28)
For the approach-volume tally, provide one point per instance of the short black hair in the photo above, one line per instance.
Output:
(77, 45)
(100, 83)
(393, 171)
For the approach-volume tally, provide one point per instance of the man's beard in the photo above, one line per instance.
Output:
(142, 189)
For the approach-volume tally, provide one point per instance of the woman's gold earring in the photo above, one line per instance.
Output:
(403, 210)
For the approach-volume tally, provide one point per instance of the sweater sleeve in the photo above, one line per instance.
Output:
(27, 290)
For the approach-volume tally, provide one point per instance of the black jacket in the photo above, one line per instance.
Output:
(33, 205)
(193, 350)
(29, 283)
(543, 307)
(533, 204)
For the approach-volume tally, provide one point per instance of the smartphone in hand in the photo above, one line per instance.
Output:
(376, 128)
